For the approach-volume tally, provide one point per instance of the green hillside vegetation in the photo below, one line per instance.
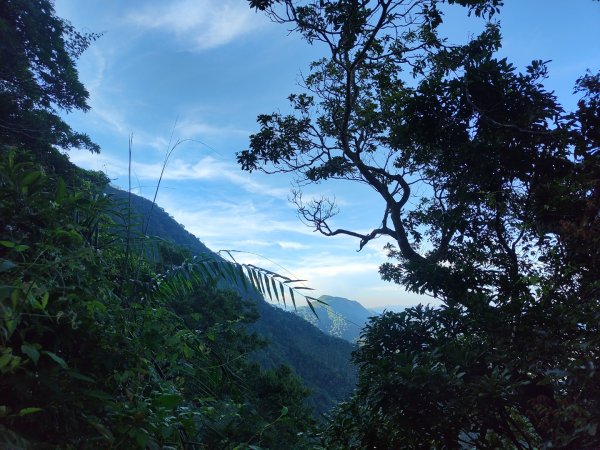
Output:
(106, 341)
(322, 362)
(338, 317)
(95, 354)
(148, 219)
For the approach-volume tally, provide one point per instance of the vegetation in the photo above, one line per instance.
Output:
(90, 359)
(109, 339)
(338, 317)
(322, 363)
(38, 76)
(104, 343)
(504, 231)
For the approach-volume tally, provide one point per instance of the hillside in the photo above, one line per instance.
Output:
(321, 361)
(161, 224)
(341, 317)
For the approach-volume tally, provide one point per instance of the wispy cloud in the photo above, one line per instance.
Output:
(289, 245)
(224, 222)
(206, 168)
(205, 24)
(111, 166)
(194, 128)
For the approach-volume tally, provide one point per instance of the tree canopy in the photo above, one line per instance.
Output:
(38, 76)
(492, 206)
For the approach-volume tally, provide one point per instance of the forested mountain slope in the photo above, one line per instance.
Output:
(341, 317)
(154, 220)
(322, 361)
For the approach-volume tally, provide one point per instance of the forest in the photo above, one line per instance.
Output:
(119, 329)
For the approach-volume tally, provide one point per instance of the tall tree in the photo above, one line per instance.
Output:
(505, 184)
(38, 77)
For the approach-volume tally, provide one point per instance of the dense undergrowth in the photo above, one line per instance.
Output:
(95, 354)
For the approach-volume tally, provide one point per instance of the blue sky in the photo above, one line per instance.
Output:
(209, 67)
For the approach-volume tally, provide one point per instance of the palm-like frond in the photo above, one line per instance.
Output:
(212, 268)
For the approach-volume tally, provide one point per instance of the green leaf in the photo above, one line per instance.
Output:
(254, 279)
(30, 178)
(30, 410)
(8, 244)
(96, 306)
(282, 294)
(10, 325)
(5, 358)
(79, 376)
(312, 308)
(104, 432)
(263, 291)
(60, 191)
(32, 352)
(274, 283)
(216, 267)
(57, 359)
(268, 286)
(211, 336)
(168, 400)
(45, 298)
(242, 276)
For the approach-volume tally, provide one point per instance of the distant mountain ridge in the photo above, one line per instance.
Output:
(387, 308)
(341, 317)
(322, 361)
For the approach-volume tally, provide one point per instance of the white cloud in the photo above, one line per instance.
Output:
(204, 24)
(247, 243)
(112, 167)
(290, 245)
(224, 222)
(192, 128)
(205, 169)
(208, 168)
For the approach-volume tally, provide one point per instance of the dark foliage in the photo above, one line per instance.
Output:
(492, 206)
(38, 76)
(90, 358)
(321, 361)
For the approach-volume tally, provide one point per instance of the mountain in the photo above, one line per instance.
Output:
(321, 361)
(389, 308)
(160, 225)
(341, 317)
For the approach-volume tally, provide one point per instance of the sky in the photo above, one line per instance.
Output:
(203, 70)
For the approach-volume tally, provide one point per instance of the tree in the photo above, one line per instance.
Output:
(92, 359)
(38, 77)
(506, 187)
